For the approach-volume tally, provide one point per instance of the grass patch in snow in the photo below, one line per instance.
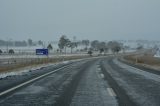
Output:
(38, 62)
(143, 59)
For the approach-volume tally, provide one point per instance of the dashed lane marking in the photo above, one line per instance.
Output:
(111, 92)
(102, 75)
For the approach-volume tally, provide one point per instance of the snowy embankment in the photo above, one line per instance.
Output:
(40, 56)
(157, 55)
(25, 70)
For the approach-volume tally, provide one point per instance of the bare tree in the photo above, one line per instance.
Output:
(94, 44)
(115, 46)
(1, 52)
(30, 42)
(40, 42)
(49, 47)
(90, 52)
(11, 51)
(72, 45)
(63, 43)
(101, 46)
(86, 43)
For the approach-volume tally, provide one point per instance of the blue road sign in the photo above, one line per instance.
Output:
(41, 51)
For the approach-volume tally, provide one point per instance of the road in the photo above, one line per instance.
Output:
(91, 82)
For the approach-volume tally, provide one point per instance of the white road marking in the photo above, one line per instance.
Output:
(111, 92)
(102, 75)
(27, 82)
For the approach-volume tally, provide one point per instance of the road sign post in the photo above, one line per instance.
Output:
(42, 52)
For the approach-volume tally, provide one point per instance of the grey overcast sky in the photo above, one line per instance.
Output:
(85, 19)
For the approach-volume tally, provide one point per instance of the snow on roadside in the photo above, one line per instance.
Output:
(39, 56)
(158, 56)
(22, 71)
(25, 70)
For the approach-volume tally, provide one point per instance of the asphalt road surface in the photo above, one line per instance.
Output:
(92, 82)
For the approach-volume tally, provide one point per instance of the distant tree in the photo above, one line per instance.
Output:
(20, 43)
(1, 52)
(24, 43)
(17, 43)
(79, 43)
(72, 45)
(101, 46)
(57, 50)
(30, 42)
(86, 43)
(64, 42)
(94, 44)
(115, 46)
(106, 49)
(101, 50)
(2, 43)
(40, 42)
(90, 52)
(11, 51)
(139, 47)
(155, 47)
(49, 47)
(6, 43)
(116, 49)
(125, 48)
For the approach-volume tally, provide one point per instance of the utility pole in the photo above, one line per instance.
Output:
(8, 40)
(7, 46)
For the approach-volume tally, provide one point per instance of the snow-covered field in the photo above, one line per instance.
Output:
(158, 56)
(23, 71)
(34, 68)
(30, 52)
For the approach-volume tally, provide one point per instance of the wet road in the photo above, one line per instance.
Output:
(94, 82)
(141, 87)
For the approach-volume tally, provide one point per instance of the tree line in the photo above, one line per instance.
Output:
(23, 43)
(64, 43)
(90, 46)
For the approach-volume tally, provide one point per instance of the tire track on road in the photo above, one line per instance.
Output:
(123, 98)
(66, 98)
